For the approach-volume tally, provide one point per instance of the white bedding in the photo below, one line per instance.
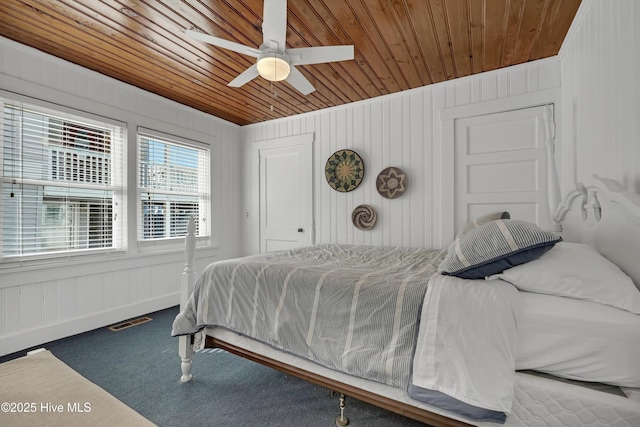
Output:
(578, 339)
(538, 401)
(473, 334)
(467, 341)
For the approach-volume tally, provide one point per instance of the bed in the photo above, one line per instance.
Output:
(398, 327)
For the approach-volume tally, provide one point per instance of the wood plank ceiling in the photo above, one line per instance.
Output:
(398, 44)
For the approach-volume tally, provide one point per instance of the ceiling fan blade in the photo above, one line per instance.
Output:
(319, 54)
(300, 82)
(245, 77)
(225, 44)
(274, 24)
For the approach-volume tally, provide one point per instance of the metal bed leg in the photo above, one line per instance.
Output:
(342, 421)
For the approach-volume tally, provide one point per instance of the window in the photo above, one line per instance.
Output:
(173, 185)
(62, 182)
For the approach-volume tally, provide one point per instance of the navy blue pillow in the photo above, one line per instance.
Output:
(495, 247)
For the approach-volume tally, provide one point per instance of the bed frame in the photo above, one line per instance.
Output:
(335, 381)
(601, 214)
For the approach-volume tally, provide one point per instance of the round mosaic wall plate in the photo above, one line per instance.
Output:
(344, 170)
(364, 217)
(391, 183)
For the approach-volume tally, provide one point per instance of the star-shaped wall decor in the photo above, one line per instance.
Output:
(391, 182)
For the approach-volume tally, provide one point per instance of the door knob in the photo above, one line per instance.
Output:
(300, 230)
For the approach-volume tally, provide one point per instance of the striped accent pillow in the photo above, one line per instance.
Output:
(494, 247)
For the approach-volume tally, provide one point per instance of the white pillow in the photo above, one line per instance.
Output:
(576, 271)
(477, 222)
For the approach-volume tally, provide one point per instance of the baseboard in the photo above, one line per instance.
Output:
(36, 337)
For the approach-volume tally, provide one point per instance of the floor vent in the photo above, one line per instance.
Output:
(129, 323)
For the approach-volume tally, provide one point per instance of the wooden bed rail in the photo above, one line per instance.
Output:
(401, 408)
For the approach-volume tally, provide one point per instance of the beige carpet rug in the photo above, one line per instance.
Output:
(40, 390)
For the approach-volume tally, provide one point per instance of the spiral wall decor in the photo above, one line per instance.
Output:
(364, 217)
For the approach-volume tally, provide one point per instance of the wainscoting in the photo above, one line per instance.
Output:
(52, 302)
(597, 132)
(42, 301)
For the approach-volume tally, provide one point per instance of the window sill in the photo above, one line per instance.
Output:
(34, 271)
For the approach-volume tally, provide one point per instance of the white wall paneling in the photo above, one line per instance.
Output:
(599, 130)
(600, 64)
(35, 310)
(42, 302)
(402, 130)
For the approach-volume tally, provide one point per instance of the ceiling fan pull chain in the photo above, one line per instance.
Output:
(271, 106)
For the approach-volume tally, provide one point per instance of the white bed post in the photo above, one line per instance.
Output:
(553, 184)
(185, 349)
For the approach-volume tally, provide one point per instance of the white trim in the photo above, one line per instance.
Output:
(152, 133)
(27, 273)
(444, 177)
(203, 184)
(55, 109)
(306, 139)
(24, 339)
(303, 138)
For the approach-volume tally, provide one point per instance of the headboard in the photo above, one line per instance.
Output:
(603, 215)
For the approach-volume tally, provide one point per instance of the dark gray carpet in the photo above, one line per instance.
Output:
(141, 367)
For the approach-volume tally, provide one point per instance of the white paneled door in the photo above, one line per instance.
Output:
(502, 157)
(286, 193)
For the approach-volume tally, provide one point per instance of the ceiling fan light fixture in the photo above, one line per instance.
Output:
(273, 67)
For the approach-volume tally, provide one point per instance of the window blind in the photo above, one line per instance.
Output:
(173, 185)
(62, 182)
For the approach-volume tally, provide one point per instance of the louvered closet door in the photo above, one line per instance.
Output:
(500, 164)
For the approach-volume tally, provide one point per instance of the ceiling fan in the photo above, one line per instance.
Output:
(276, 62)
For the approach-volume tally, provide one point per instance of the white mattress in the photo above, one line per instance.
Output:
(579, 340)
(538, 401)
(541, 401)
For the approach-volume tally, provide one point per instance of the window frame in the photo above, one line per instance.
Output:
(116, 185)
(204, 228)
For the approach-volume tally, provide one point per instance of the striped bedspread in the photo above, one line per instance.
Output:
(352, 308)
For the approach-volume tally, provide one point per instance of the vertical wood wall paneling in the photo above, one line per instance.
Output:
(82, 292)
(405, 164)
(49, 310)
(108, 279)
(11, 310)
(378, 125)
(66, 299)
(343, 200)
(31, 306)
(402, 130)
(95, 292)
(3, 307)
(355, 118)
(599, 68)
